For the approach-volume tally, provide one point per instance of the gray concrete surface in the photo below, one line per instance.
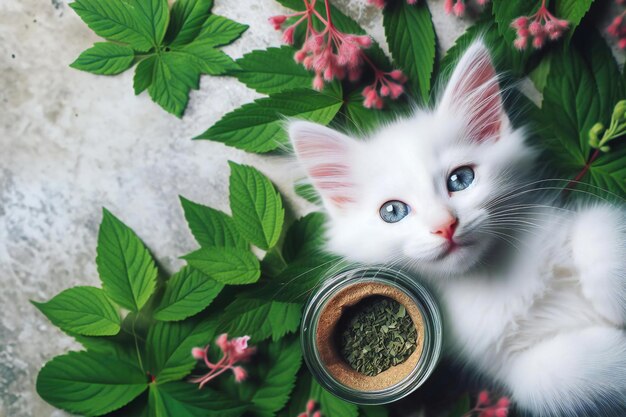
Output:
(71, 143)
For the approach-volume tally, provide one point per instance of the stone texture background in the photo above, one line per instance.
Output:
(71, 143)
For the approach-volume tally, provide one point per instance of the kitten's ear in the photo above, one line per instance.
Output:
(324, 153)
(473, 93)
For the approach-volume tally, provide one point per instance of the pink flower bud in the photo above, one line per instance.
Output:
(277, 21)
(448, 5)
(198, 353)
(222, 342)
(502, 412)
(310, 406)
(503, 402)
(364, 41)
(482, 2)
(563, 24)
(328, 74)
(483, 398)
(521, 42)
(411, 1)
(354, 74)
(538, 42)
(288, 35)
(520, 23)
(622, 43)
(378, 103)
(523, 32)
(303, 415)
(488, 413)
(384, 91)
(308, 62)
(535, 28)
(396, 90)
(299, 56)
(378, 3)
(317, 414)
(459, 8)
(240, 373)
(318, 82)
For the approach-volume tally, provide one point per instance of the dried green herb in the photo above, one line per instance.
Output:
(375, 335)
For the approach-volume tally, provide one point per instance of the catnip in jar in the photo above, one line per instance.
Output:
(371, 335)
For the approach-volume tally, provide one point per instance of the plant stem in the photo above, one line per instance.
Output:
(137, 345)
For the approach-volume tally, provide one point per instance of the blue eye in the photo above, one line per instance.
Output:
(394, 211)
(460, 179)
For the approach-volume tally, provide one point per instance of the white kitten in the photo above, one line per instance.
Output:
(535, 297)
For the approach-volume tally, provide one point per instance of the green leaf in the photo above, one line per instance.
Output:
(461, 407)
(187, 293)
(373, 411)
(272, 70)
(126, 269)
(218, 31)
(411, 37)
(570, 107)
(89, 383)
(172, 78)
(186, 20)
(169, 347)
(205, 58)
(307, 388)
(539, 75)
(181, 399)
(105, 59)
(572, 11)
(114, 20)
(305, 237)
(82, 310)
(608, 173)
(144, 74)
(308, 192)
(258, 126)
(256, 205)
(360, 119)
(212, 227)
(282, 361)
(153, 17)
(227, 265)
(505, 11)
(260, 318)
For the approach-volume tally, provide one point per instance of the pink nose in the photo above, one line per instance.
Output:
(446, 230)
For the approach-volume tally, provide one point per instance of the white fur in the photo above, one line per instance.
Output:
(535, 297)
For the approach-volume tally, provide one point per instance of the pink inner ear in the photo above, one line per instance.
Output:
(479, 92)
(324, 158)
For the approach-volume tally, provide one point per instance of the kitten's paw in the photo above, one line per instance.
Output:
(598, 248)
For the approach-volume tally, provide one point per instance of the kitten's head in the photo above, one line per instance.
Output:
(422, 190)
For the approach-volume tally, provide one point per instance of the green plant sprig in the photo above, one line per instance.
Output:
(616, 129)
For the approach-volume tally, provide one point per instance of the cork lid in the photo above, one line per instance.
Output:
(327, 328)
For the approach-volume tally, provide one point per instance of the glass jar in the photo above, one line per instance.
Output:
(321, 316)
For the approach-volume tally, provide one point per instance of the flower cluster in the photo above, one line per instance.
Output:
(458, 6)
(332, 54)
(382, 3)
(484, 407)
(538, 28)
(599, 135)
(233, 351)
(617, 28)
(310, 411)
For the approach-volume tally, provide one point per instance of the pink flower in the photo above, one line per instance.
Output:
(458, 6)
(381, 3)
(540, 26)
(617, 28)
(233, 351)
(484, 407)
(311, 405)
(332, 54)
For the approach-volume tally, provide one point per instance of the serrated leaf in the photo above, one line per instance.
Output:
(282, 363)
(205, 58)
(218, 31)
(305, 237)
(126, 269)
(114, 20)
(260, 318)
(89, 383)
(187, 293)
(608, 173)
(256, 205)
(181, 399)
(211, 227)
(169, 347)
(144, 73)
(570, 107)
(153, 17)
(258, 126)
(82, 310)
(308, 192)
(186, 20)
(231, 266)
(173, 76)
(411, 37)
(105, 58)
(272, 70)
(573, 11)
